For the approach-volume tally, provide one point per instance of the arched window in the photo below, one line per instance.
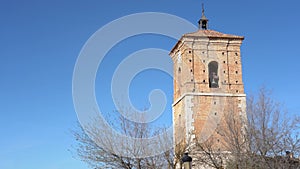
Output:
(213, 74)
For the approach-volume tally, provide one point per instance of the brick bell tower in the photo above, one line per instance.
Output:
(207, 83)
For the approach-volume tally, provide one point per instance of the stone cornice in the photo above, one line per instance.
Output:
(208, 94)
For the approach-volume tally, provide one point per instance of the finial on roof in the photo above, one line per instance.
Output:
(202, 9)
(203, 22)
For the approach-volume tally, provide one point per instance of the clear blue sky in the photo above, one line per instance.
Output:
(40, 42)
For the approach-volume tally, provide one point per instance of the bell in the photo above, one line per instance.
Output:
(213, 81)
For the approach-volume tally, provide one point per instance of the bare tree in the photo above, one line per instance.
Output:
(207, 154)
(268, 138)
(271, 132)
(228, 143)
(260, 140)
(179, 150)
(107, 156)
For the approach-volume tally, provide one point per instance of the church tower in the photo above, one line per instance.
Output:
(208, 84)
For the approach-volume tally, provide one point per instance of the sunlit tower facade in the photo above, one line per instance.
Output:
(208, 84)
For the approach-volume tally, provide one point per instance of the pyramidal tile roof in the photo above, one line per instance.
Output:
(207, 34)
(211, 34)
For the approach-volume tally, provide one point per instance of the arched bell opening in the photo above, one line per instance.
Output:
(213, 74)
